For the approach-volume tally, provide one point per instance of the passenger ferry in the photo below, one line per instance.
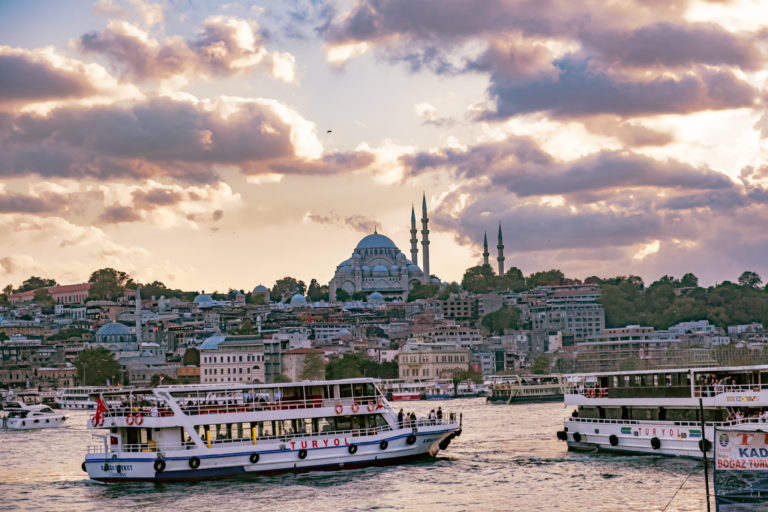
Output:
(199, 432)
(526, 388)
(657, 411)
(25, 411)
(83, 398)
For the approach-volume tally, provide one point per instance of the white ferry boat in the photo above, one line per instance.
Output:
(199, 432)
(82, 398)
(526, 388)
(657, 411)
(24, 411)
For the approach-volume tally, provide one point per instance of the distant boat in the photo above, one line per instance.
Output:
(24, 411)
(526, 388)
(79, 398)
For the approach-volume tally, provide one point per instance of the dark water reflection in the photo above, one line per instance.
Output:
(508, 458)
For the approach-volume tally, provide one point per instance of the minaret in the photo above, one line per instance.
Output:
(425, 239)
(138, 316)
(485, 249)
(414, 240)
(500, 247)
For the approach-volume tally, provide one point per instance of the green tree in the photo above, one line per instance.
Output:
(342, 295)
(313, 367)
(689, 280)
(359, 296)
(191, 357)
(286, 288)
(515, 280)
(44, 299)
(545, 278)
(423, 291)
(751, 279)
(446, 291)
(541, 364)
(280, 378)
(346, 367)
(95, 366)
(317, 292)
(66, 334)
(479, 279)
(108, 284)
(34, 283)
(504, 318)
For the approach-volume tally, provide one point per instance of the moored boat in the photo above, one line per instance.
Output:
(657, 411)
(198, 432)
(79, 398)
(525, 388)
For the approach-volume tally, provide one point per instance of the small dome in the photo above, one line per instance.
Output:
(298, 300)
(346, 263)
(112, 329)
(435, 280)
(203, 297)
(376, 241)
(356, 256)
(343, 332)
(380, 269)
(414, 269)
(375, 297)
(260, 289)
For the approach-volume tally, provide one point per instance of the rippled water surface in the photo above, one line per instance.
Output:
(508, 458)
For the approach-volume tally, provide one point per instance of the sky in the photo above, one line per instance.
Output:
(219, 145)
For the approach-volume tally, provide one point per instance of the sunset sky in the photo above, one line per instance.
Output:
(217, 145)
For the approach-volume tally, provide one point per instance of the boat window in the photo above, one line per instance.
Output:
(345, 390)
(638, 380)
(358, 390)
(615, 381)
(656, 380)
(626, 380)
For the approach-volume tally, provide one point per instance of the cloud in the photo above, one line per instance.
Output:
(429, 114)
(226, 46)
(356, 222)
(118, 214)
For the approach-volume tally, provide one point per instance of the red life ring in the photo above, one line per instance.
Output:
(339, 408)
(371, 406)
(97, 421)
(138, 419)
(355, 407)
(129, 419)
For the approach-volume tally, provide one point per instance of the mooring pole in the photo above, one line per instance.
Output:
(703, 450)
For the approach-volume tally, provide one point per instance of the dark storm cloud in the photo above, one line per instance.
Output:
(156, 197)
(520, 166)
(579, 91)
(25, 77)
(667, 44)
(118, 214)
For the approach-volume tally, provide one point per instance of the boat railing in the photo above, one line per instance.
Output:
(193, 407)
(717, 389)
(655, 422)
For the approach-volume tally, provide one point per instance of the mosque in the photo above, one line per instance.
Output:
(378, 268)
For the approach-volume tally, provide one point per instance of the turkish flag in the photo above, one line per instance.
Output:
(100, 408)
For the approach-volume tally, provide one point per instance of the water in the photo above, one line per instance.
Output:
(508, 458)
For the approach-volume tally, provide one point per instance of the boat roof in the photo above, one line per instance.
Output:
(704, 369)
(236, 386)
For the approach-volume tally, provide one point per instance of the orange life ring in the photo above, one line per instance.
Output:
(138, 419)
(339, 408)
(371, 406)
(603, 392)
(355, 407)
(129, 419)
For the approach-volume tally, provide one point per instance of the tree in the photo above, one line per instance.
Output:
(448, 290)
(361, 295)
(8, 290)
(280, 378)
(95, 366)
(751, 279)
(504, 318)
(246, 327)
(347, 367)
(479, 279)
(342, 295)
(545, 278)
(317, 292)
(34, 283)
(287, 287)
(689, 280)
(66, 334)
(541, 364)
(191, 357)
(108, 284)
(423, 291)
(313, 368)
(44, 299)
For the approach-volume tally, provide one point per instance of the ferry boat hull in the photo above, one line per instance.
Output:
(405, 397)
(176, 467)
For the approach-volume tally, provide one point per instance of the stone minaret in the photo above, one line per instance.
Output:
(485, 249)
(500, 247)
(414, 240)
(425, 239)
(138, 316)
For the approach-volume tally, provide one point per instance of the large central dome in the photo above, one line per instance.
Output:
(376, 241)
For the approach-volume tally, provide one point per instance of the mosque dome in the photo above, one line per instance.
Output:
(380, 270)
(413, 268)
(366, 270)
(260, 289)
(113, 328)
(376, 241)
(298, 300)
(394, 270)
(202, 298)
(375, 297)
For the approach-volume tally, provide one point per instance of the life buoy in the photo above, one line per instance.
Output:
(194, 462)
(383, 445)
(254, 458)
(352, 449)
(577, 437)
(159, 466)
(339, 408)
(97, 421)
(371, 407)
(705, 445)
(410, 439)
(355, 407)
(129, 419)
(302, 454)
(562, 435)
(138, 419)
(655, 443)
(603, 392)
(613, 440)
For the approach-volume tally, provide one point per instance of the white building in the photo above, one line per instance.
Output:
(225, 359)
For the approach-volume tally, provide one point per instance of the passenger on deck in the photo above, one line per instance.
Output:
(439, 414)
(400, 418)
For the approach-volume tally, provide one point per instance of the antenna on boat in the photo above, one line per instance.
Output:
(704, 450)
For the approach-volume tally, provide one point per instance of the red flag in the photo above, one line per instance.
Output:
(100, 408)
